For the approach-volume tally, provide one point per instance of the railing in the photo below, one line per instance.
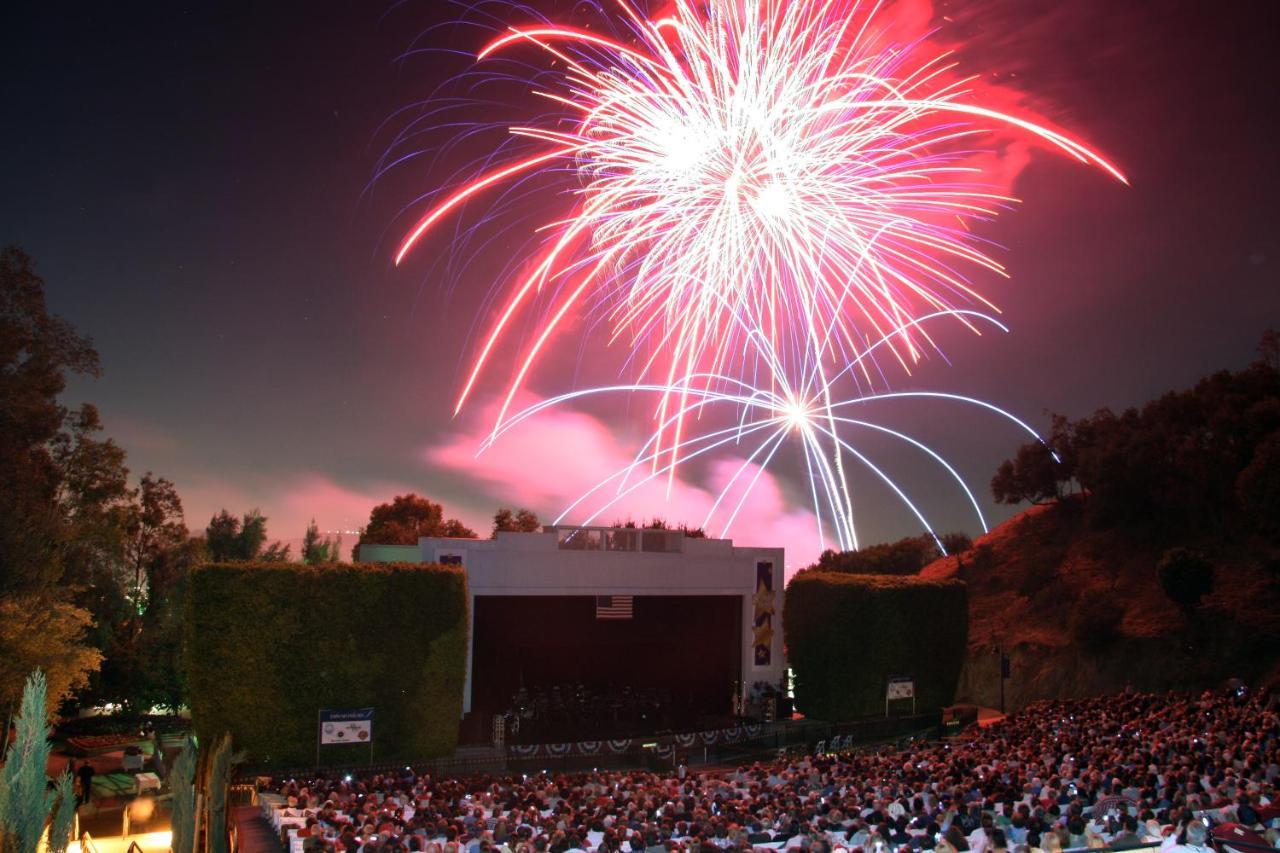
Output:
(433, 767)
(798, 738)
(242, 794)
(619, 539)
(86, 843)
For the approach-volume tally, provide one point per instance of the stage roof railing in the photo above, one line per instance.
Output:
(574, 538)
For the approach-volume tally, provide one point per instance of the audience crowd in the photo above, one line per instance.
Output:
(1121, 771)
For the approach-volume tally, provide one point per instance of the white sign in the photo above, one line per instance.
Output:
(346, 726)
(901, 688)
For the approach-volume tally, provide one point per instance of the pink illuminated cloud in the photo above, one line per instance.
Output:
(289, 503)
(549, 461)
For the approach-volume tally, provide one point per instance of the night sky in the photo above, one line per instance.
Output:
(193, 183)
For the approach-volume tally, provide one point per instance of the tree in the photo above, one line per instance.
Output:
(1172, 467)
(37, 352)
(93, 502)
(1269, 349)
(230, 539)
(253, 535)
(154, 527)
(956, 542)
(63, 819)
(222, 537)
(454, 529)
(25, 798)
(276, 552)
(37, 631)
(221, 762)
(315, 550)
(140, 667)
(1096, 625)
(1258, 487)
(521, 521)
(1186, 576)
(407, 519)
(182, 783)
(77, 543)
(1029, 477)
(1040, 472)
(161, 675)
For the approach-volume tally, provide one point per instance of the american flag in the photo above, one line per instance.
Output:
(613, 607)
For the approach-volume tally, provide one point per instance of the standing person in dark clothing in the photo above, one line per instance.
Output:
(86, 782)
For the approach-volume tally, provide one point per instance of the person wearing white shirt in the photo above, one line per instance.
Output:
(978, 840)
(1196, 840)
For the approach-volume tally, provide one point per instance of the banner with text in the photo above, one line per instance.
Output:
(346, 726)
(762, 612)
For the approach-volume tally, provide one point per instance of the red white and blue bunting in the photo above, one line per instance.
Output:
(661, 745)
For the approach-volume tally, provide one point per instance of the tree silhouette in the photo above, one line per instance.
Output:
(408, 518)
(520, 521)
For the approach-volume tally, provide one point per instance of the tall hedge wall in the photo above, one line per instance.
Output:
(269, 644)
(847, 634)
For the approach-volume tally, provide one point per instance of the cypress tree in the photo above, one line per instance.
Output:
(182, 784)
(25, 800)
(63, 823)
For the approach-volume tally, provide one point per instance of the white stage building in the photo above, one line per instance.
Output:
(612, 564)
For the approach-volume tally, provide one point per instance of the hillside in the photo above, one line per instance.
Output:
(1080, 611)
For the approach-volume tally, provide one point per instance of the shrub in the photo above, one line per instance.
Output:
(1185, 576)
(1096, 623)
(847, 634)
(904, 557)
(1037, 575)
(111, 724)
(268, 645)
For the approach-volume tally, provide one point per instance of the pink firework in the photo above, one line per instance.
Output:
(775, 182)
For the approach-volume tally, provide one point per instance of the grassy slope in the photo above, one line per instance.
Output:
(1033, 579)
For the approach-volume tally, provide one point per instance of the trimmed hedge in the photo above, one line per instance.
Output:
(269, 644)
(847, 634)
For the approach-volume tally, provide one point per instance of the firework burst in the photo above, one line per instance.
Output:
(753, 188)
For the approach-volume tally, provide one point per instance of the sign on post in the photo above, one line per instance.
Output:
(346, 726)
(900, 687)
(354, 726)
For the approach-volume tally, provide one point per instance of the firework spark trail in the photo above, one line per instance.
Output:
(778, 417)
(757, 186)
(771, 416)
